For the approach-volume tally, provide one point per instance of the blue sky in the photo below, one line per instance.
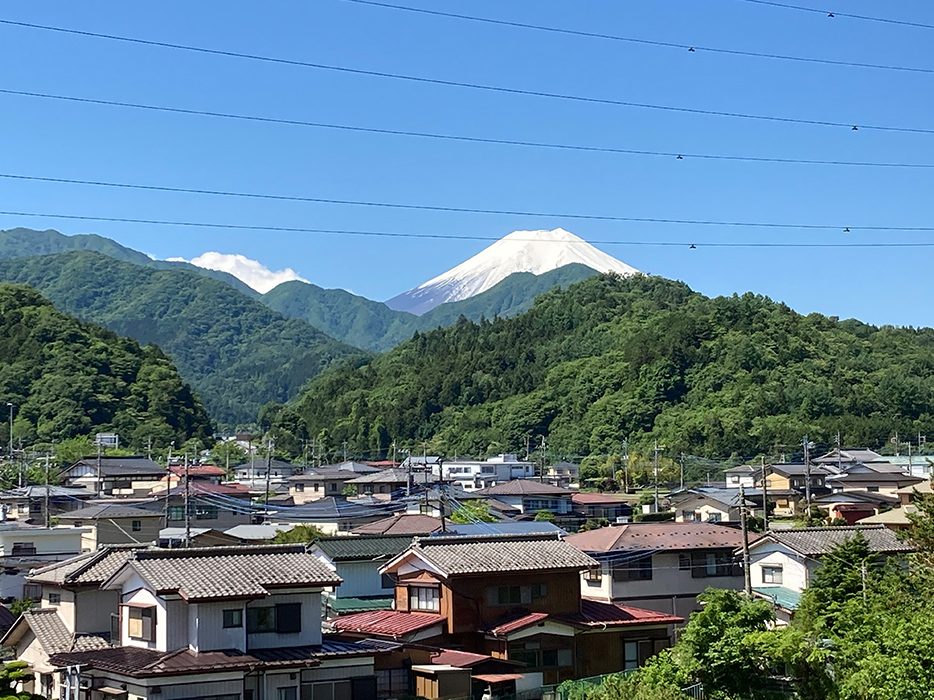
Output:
(55, 139)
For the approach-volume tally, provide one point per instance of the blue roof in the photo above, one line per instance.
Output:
(526, 528)
(779, 595)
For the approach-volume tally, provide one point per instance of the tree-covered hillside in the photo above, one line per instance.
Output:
(374, 326)
(66, 378)
(635, 359)
(237, 353)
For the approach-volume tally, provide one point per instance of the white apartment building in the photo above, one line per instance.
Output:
(472, 475)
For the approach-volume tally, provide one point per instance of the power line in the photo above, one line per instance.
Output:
(678, 155)
(459, 210)
(692, 48)
(386, 234)
(477, 86)
(834, 13)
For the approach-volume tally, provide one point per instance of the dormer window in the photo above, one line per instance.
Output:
(424, 598)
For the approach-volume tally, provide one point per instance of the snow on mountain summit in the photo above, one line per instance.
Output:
(520, 251)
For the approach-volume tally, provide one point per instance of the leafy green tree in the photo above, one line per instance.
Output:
(299, 534)
(13, 673)
(227, 453)
(544, 516)
(471, 511)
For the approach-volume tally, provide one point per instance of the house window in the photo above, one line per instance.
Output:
(285, 618)
(516, 595)
(630, 656)
(23, 548)
(594, 576)
(386, 581)
(711, 564)
(136, 525)
(233, 618)
(332, 486)
(684, 562)
(424, 598)
(299, 487)
(638, 570)
(55, 598)
(142, 623)
(531, 654)
(714, 517)
(176, 513)
(872, 489)
(290, 693)
(315, 487)
(78, 523)
(734, 479)
(772, 574)
(206, 512)
(336, 690)
(32, 591)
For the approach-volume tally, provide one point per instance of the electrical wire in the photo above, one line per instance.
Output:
(439, 236)
(692, 48)
(677, 155)
(834, 13)
(499, 89)
(460, 210)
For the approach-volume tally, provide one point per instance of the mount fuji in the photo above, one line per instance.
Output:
(520, 251)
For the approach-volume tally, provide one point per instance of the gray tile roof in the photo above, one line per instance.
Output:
(363, 547)
(393, 476)
(110, 510)
(39, 492)
(49, 629)
(500, 553)
(92, 568)
(524, 487)
(401, 524)
(817, 541)
(323, 475)
(231, 572)
(523, 528)
(120, 466)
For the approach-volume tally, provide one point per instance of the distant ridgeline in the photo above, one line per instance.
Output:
(637, 358)
(66, 378)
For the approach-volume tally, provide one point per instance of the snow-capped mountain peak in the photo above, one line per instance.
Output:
(520, 251)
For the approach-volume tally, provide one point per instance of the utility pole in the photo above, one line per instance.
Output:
(863, 572)
(528, 447)
(682, 471)
(442, 501)
(187, 502)
(345, 450)
(747, 573)
(100, 477)
(48, 469)
(765, 498)
(625, 466)
(807, 475)
(271, 445)
(655, 469)
(10, 405)
(149, 449)
(394, 454)
(541, 474)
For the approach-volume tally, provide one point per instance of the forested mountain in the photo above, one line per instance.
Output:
(639, 358)
(237, 353)
(66, 378)
(26, 242)
(374, 326)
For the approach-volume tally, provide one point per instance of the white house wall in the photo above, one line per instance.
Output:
(794, 566)
(311, 622)
(211, 634)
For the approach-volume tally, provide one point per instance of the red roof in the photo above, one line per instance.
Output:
(401, 524)
(595, 613)
(383, 463)
(640, 537)
(198, 470)
(460, 659)
(386, 623)
(518, 624)
(591, 498)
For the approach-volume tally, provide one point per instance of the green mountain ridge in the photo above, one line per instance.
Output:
(374, 326)
(66, 378)
(643, 358)
(237, 353)
(25, 242)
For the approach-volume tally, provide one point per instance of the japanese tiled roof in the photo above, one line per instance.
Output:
(401, 524)
(640, 537)
(500, 553)
(524, 487)
(816, 541)
(366, 547)
(121, 466)
(109, 510)
(386, 623)
(92, 568)
(231, 572)
(598, 498)
(54, 637)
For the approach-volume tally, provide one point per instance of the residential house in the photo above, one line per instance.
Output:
(215, 506)
(853, 506)
(27, 503)
(26, 547)
(319, 483)
(472, 475)
(743, 475)
(529, 496)
(116, 477)
(598, 506)
(515, 598)
(709, 505)
(114, 523)
(660, 566)
(787, 484)
(563, 474)
(223, 623)
(401, 524)
(875, 478)
(783, 561)
(357, 561)
(197, 473)
(253, 474)
(171, 537)
(389, 484)
(895, 519)
(844, 458)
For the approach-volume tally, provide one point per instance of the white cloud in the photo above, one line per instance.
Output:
(251, 272)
